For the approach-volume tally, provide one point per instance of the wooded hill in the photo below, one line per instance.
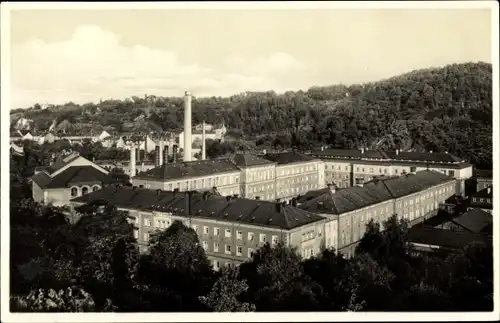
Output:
(438, 109)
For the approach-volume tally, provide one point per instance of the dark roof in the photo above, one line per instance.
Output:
(288, 157)
(72, 175)
(312, 194)
(444, 238)
(409, 158)
(24, 132)
(474, 220)
(254, 212)
(373, 192)
(61, 162)
(483, 173)
(189, 169)
(249, 160)
(485, 192)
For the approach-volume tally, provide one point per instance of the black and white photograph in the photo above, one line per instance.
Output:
(239, 161)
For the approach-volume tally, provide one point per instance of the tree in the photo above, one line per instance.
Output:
(225, 293)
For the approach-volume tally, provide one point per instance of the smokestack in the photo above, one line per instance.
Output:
(188, 143)
(160, 150)
(146, 147)
(157, 156)
(165, 154)
(203, 143)
(174, 154)
(132, 160)
(138, 153)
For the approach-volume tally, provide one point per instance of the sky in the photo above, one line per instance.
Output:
(59, 56)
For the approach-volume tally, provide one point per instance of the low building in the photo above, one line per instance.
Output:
(482, 200)
(348, 167)
(67, 178)
(229, 229)
(475, 221)
(414, 197)
(483, 178)
(442, 241)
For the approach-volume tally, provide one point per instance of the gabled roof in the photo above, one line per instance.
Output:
(249, 160)
(373, 192)
(61, 162)
(235, 210)
(288, 157)
(196, 168)
(474, 220)
(485, 193)
(74, 175)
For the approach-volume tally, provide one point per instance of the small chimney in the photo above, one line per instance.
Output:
(279, 207)
(174, 154)
(158, 192)
(294, 202)
(235, 196)
(320, 206)
(203, 143)
(332, 187)
(228, 198)
(132, 161)
(205, 196)
(489, 190)
(165, 154)
(157, 156)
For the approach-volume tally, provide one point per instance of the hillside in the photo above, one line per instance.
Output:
(439, 109)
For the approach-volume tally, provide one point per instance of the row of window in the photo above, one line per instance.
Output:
(481, 200)
(296, 190)
(227, 249)
(297, 170)
(260, 176)
(85, 190)
(203, 183)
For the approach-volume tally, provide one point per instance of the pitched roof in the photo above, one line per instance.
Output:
(61, 162)
(373, 192)
(483, 173)
(485, 192)
(239, 210)
(74, 175)
(189, 169)
(475, 220)
(444, 238)
(249, 160)
(409, 158)
(288, 157)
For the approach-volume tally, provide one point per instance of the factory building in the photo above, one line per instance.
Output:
(349, 167)
(414, 197)
(229, 229)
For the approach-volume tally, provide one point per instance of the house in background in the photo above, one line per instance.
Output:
(68, 177)
(484, 179)
(482, 200)
(475, 221)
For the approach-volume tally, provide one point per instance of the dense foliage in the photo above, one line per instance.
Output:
(438, 109)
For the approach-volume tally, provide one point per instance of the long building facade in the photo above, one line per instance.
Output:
(350, 167)
(414, 197)
(229, 229)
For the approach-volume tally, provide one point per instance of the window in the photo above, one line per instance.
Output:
(205, 245)
(146, 236)
(147, 222)
(227, 233)
(216, 232)
(275, 239)
(216, 247)
(250, 252)
(237, 180)
(451, 173)
(228, 249)
(239, 251)
(216, 265)
(413, 169)
(262, 238)
(95, 188)
(250, 236)
(74, 191)
(239, 235)
(205, 230)
(136, 234)
(85, 190)
(195, 228)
